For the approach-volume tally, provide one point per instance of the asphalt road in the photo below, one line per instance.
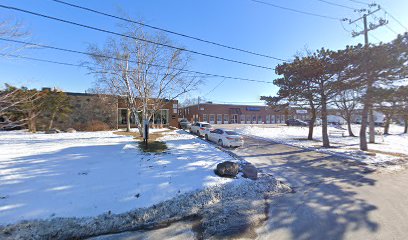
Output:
(333, 198)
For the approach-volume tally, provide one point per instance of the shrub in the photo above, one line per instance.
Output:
(92, 126)
(153, 146)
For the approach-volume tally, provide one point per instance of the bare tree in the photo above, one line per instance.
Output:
(12, 30)
(147, 74)
(347, 102)
(9, 98)
(21, 106)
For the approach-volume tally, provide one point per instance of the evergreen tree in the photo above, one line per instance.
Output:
(57, 105)
(375, 66)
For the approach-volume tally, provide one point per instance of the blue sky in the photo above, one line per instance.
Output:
(239, 23)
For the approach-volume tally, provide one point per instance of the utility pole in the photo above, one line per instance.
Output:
(368, 109)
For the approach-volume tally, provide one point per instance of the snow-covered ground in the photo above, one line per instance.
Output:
(89, 173)
(387, 148)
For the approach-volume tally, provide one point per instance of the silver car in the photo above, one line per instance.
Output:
(200, 128)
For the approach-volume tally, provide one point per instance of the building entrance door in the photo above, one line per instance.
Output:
(234, 118)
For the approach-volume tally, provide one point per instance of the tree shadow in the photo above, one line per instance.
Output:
(324, 203)
(93, 179)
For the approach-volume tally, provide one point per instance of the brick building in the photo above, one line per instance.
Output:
(249, 114)
(233, 114)
(165, 117)
(108, 109)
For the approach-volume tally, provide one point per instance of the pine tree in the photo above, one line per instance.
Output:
(57, 105)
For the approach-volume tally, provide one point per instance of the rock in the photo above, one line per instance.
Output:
(52, 131)
(227, 169)
(250, 171)
(70, 130)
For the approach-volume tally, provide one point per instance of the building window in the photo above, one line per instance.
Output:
(273, 119)
(122, 119)
(161, 117)
(259, 119)
(226, 118)
(219, 118)
(253, 118)
(268, 119)
(248, 118)
(242, 118)
(212, 118)
(205, 118)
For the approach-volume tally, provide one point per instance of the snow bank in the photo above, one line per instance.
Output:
(85, 174)
(240, 195)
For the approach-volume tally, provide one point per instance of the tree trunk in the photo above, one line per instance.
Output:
(363, 129)
(32, 124)
(138, 124)
(387, 124)
(364, 116)
(326, 141)
(312, 122)
(372, 126)
(406, 125)
(350, 131)
(52, 120)
(128, 112)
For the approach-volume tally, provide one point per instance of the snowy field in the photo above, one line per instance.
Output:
(387, 148)
(86, 174)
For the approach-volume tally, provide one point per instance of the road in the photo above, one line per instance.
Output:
(333, 198)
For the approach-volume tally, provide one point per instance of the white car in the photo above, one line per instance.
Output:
(225, 138)
(200, 128)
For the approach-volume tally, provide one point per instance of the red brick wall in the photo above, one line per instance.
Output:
(197, 112)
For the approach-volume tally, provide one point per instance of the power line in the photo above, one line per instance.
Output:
(219, 84)
(165, 30)
(374, 4)
(395, 19)
(388, 27)
(360, 2)
(392, 30)
(371, 34)
(122, 59)
(337, 5)
(135, 38)
(90, 54)
(59, 63)
(295, 10)
(42, 60)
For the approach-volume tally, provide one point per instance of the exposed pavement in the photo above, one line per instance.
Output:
(333, 198)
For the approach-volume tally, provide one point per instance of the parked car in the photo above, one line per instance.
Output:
(296, 122)
(184, 124)
(200, 128)
(317, 122)
(225, 138)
